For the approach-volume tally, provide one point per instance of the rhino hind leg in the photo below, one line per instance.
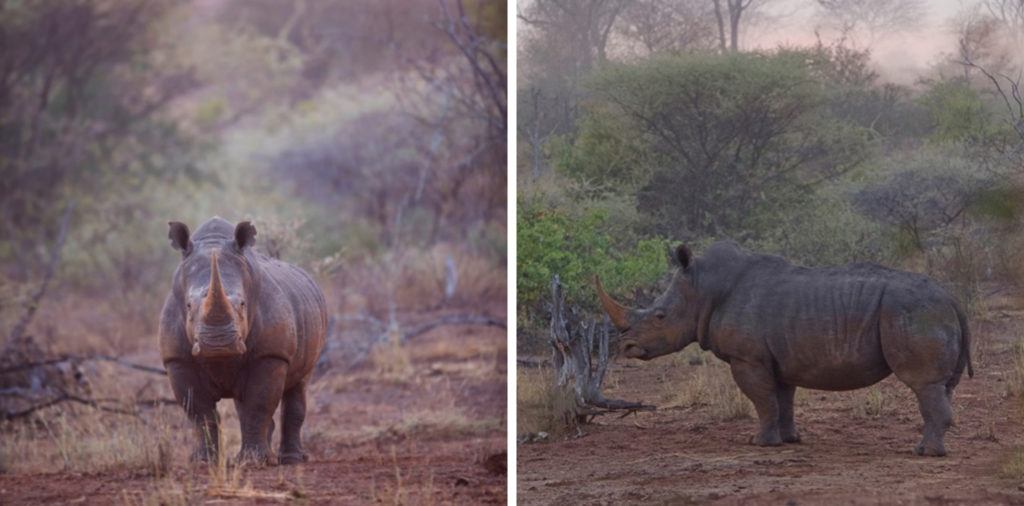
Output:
(293, 414)
(787, 426)
(938, 416)
(759, 385)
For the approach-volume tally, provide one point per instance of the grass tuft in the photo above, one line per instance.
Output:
(543, 407)
(711, 387)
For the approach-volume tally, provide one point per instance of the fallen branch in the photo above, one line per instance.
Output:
(85, 401)
(367, 331)
(86, 358)
(453, 320)
(531, 362)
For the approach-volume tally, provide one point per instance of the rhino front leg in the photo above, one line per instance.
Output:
(200, 407)
(293, 414)
(787, 427)
(758, 384)
(938, 416)
(256, 408)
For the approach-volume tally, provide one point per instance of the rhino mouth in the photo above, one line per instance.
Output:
(218, 344)
(630, 349)
(202, 350)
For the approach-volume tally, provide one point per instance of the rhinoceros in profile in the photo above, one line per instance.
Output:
(240, 325)
(781, 326)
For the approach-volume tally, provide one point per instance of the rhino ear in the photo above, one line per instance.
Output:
(683, 256)
(245, 235)
(179, 236)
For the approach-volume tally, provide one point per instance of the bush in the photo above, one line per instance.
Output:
(827, 231)
(722, 137)
(576, 246)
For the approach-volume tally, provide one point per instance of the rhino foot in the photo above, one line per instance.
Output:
(790, 437)
(766, 440)
(291, 458)
(930, 450)
(256, 456)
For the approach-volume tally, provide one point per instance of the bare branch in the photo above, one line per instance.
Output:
(461, 319)
(73, 358)
(51, 268)
(573, 360)
(92, 403)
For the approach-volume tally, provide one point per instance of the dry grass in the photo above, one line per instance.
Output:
(398, 491)
(869, 402)
(1014, 467)
(82, 440)
(444, 423)
(449, 350)
(543, 407)
(710, 387)
(416, 280)
(1015, 385)
(391, 360)
(162, 492)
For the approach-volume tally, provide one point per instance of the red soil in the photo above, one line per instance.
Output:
(684, 456)
(363, 439)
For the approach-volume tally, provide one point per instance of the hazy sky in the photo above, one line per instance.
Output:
(900, 57)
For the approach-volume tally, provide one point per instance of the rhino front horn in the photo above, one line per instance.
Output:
(216, 307)
(196, 350)
(616, 312)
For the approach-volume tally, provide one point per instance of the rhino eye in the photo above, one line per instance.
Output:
(659, 314)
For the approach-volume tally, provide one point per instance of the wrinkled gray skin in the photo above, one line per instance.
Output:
(781, 326)
(240, 325)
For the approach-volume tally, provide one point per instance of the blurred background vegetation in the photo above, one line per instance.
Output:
(366, 139)
(652, 122)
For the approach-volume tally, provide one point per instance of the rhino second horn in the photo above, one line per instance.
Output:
(196, 350)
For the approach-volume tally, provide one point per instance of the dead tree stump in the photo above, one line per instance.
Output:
(574, 364)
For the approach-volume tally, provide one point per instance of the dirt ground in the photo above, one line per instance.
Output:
(431, 431)
(683, 455)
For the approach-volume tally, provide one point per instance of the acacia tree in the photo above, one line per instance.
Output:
(81, 111)
(874, 19)
(581, 28)
(669, 25)
(562, 41)
(727, 139)
(1010, 13)
(979, 40)
(730, 19)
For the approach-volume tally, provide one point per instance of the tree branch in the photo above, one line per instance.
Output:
(51, 268)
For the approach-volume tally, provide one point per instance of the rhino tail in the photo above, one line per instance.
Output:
(965, 344)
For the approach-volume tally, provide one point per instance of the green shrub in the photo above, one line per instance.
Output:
(576, 245)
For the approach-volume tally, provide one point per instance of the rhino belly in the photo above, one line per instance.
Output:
(834, 368)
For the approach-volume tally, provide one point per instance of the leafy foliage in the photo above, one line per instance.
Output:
(723, 136)
(576, 246)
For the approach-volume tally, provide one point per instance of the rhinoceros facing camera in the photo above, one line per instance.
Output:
(240, 325)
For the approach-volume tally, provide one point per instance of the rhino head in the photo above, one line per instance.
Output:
(215, 283)
(668, 325)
